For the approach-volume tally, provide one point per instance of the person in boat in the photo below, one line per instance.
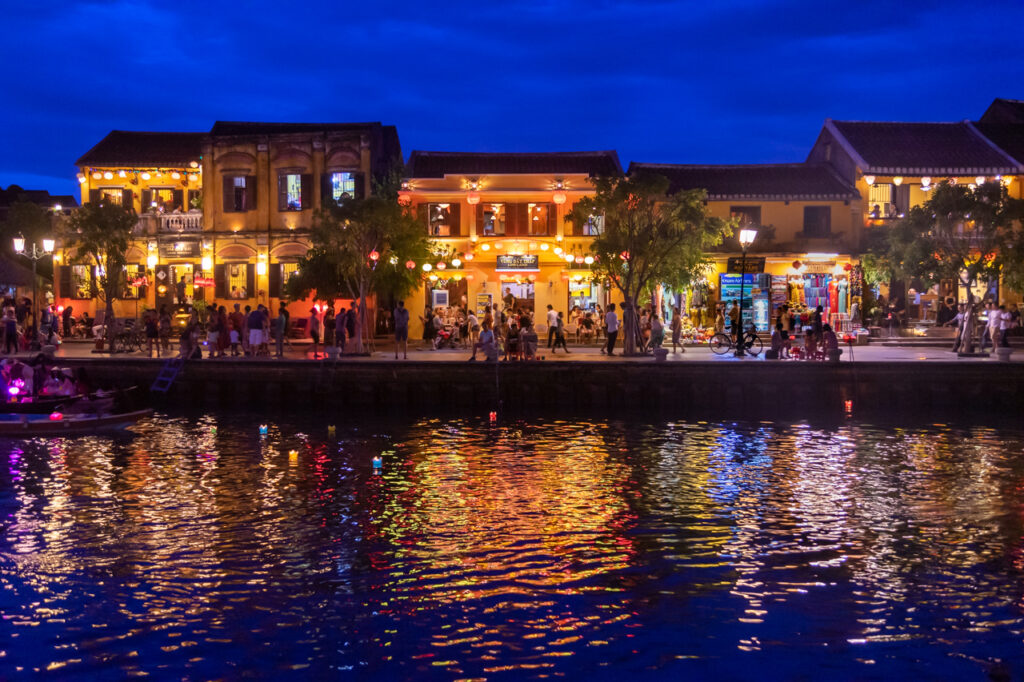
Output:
(83, 385)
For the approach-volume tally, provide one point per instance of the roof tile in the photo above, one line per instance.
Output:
(769, 182)
(424, 164)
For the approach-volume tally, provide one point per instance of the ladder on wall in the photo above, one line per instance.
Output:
(168, 373)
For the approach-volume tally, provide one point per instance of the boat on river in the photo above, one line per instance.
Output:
(64, 403)
(59, 424)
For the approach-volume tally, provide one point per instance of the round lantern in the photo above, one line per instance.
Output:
(579, 260)
(410, 264)
(848, 267)
(427, 267)
(796, 265)
(558, 198)
(589, 260)
(624, 255)
(404, 198)
(472, 198)
(441, 265)
(469, 256)
(374, 256)
(456, 262)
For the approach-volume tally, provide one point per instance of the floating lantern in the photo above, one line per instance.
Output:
(377, 462)
(56, 416)
(494, 416)
(848, 405)
(263, 429)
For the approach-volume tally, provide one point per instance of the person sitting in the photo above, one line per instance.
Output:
(528, 340)
(586, 328)
(829, 342)
(513, 349)
(811, 351)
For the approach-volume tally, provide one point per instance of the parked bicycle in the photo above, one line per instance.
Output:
(721, 343)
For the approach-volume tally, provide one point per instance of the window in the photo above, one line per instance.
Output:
(441, 222)
(238, 280)
(293, 192)
(880, 201)
(343, 186)
(541, 219)
(748, 216)
(133, 273)
(111, 195)
(287, 270)
(163, 200)
(81, 281)
(493, 220)
(239, 198)
(594, 226)
(817, 221)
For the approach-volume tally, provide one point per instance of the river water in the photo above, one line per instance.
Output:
(529, 549)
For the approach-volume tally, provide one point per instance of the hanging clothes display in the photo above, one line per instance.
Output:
(843, 287)
(816, 291)
(833, 296)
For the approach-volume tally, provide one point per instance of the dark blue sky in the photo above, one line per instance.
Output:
(718, 82)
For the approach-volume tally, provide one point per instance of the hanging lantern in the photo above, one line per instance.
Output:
(589, 260)
(456, 263)
(624, 255)
(193, 177)
(176, 175)
(441, 265)
(473, 198)
(374, 256)
(409, 264)
(468, 256)
(568, 258)
(898, 180)
(796, 265)
(980, 180)
(870, 179)
(848, 267)
(404, 198)
(579, 260)
(558, 250)
(108, 176)
(533, 278)
(145, 176)
(558, 198)
(97, 176)
(433, 278)
(427, 267)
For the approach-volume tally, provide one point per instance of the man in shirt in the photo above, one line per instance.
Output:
(611, 323)
(255, 330)
(401, 315)
(552, 324)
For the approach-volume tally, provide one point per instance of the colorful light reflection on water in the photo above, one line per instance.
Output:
(534, 549)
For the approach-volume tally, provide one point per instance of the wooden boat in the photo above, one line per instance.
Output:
(72, 403)
(57, 424)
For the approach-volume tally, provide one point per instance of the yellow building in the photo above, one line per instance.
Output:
(498, 223)
(807, 235)
(224, 216)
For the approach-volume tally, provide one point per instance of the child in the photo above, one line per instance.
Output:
(787, 343)
(778, 345)
(810, 347)
(234, 341)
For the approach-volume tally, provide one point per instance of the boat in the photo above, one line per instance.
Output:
(59, 424)
(65, 403)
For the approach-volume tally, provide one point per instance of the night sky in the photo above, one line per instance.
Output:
(717, 82)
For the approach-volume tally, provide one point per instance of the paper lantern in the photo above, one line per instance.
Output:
(472, 198)
(558, 198)
(441, 265)
(404, 198)
(427, 267)
(374, 256)
(796, 265)
(410, 264)
(108, 176)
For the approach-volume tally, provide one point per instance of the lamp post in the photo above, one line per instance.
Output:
(34, 255)
(747, 236)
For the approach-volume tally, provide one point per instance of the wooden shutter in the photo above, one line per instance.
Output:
(94, 196)
(275, 280)
(178, 197)
(307, 191)
(250, 193)
(423, 215)
(147, 199)
(517, 218)
(455, 216)
(64, 281)
(220, 280)
(282, 192)
(360, 185)
(552, 220)
(325, 190)
(250, 280)
(229, 193)
(480, 219)
(126, 198)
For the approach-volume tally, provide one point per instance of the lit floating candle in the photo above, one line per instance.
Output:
(263, 429)
(378, 462)
(494, 416)
(849, 406)
(293, 454)
(330, 429)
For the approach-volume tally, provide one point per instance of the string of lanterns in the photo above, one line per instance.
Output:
(926, 181)
(133, 175)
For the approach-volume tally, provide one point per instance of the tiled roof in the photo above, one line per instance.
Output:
(14, 194)
(262, 128)
(133, 148)
(920, 148)
(1004, 111)
(438, 164)
(766, 182)
(1009, 137)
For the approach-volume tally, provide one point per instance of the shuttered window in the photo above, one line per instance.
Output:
(239, 193)
(817, 221)
(490, 219)
(444, 220)
(541, 219)
(295, 192)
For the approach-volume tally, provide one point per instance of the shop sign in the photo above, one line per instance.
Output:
(202, 281)
(754, 264)
(821, 267)
(517, 263)
(581, 288)
(179, 249)
(484, 302)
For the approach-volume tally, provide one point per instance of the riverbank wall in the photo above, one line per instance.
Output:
(721, 388)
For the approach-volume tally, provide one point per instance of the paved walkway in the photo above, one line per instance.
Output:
(303, 351)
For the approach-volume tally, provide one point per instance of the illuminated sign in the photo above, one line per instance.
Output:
(518, 263)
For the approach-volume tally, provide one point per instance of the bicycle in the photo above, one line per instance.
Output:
(721, 343)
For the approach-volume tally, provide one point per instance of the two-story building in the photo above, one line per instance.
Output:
(498, 220)
(808, 228)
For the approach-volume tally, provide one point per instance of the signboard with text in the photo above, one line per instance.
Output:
(754, 264)
(517, 263)
(484, 302)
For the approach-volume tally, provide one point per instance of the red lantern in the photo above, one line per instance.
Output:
(404, 198)
(441, 265)
(374, 256)
(472, 198)
(410, 264)
(848, 267)
(796, 265)
(558, 198)
(624, 255)
(579, 260)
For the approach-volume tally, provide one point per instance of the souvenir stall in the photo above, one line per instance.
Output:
(813, 284)
(756, 303)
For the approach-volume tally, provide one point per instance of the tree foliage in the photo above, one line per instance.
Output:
(649, 237)
(99, 234)
(341, 264)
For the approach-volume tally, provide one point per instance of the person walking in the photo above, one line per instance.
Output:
(657, 331)
(314, 331)
(280, 327)
(559, 334)
(611, 326)
(734, 321)
(677, 330)
(552, 324)
(401, 316)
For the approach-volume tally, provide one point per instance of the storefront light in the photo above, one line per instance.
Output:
(151, 261)
(485, 247)
(261, 268)
(589, 260)
(207, 263)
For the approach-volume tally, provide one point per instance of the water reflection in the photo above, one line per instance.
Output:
(520, 550)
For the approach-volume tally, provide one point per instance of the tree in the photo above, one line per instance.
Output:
(34, 223)
(361, 247)
(968, 235)
(100, 234)
(648, 237)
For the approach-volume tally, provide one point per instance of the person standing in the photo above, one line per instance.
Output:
(559, 334)
(1004, 326)
(657, 331)
(314, 331)
(280, 327)
(991, 327)
(255, 322)
(401, 316)
(677, 330)
(351, 317)
(734, 320)
(552, 324)
(817, 326)
(611, 325)
(213, 332)
(329, 326)
(67, 315)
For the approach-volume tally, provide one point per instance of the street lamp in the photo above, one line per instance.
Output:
(747, 236)
(34, 255)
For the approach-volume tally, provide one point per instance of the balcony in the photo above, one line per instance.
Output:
(170, 223)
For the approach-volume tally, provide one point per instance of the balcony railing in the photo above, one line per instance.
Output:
(172, 223)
